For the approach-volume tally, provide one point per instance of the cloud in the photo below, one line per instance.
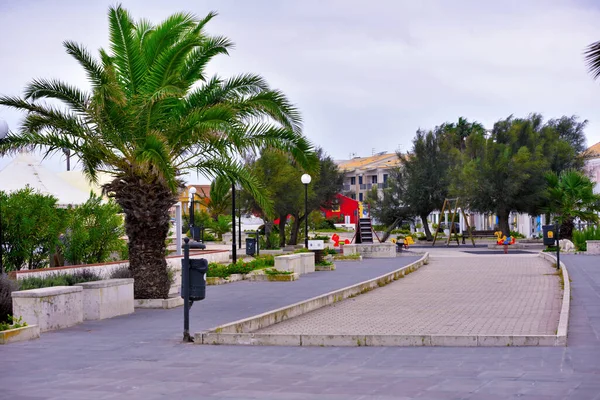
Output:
(364, 74)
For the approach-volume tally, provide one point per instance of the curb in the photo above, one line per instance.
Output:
(563, 322)
(242, 328)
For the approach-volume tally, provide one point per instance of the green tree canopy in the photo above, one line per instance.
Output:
(151, 114)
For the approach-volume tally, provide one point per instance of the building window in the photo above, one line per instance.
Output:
(385, 178)
(360, 197)
(360, 180)
(353, 180)
(374, 179)
(353, 196)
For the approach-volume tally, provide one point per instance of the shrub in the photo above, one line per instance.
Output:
(273, 271)
(324, 263)
(589, 233)
(58, 280)
(121, 273)
(329, 250)
(12, 323)
(7, 286)
(31, 224)
(320, 237)
(517, 235)
(94, 232)
(241, 267)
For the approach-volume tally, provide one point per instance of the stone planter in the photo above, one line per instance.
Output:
(106, 299)
(215, 280)
(28, 332)
(50, 308)
(325, 267)
(261, 276)
(371, 250)
(171, 302)
(308, 263)
(593, 246)
(301, 263)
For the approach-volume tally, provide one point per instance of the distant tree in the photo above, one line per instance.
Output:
(220, 226)
(505, 172)
(219, 200)
(31, 224)
(571, 196)
(322, 191)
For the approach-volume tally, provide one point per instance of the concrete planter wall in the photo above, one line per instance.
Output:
(593, 246)
(50, 308)
(106, 299)
(371, 250)
(28, 332)
(301, 263)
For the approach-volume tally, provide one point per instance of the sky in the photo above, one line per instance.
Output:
(366, 75)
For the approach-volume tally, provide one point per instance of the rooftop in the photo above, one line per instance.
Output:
(376, 161)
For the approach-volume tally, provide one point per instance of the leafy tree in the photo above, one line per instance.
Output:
(94, 231)
(151, 114)
(571, 196)
(322, 191)
(505, 172)
(31, 224)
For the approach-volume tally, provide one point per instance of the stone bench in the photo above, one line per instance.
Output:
(50, 308)
(371, 250)
(593, 246)
(290, 262)
(106, 299)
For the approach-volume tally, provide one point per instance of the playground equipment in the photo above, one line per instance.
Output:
(453, 211)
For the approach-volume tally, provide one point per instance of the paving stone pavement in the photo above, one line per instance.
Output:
(486, 295)
(139, 357)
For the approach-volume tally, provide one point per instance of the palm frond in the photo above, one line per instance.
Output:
(55, 89)
(592, 59)
(92, 68)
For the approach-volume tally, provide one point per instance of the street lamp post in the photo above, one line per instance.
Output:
(238, 187)
(193, 243)
(233, 246)
(3, 134)
(306, 180)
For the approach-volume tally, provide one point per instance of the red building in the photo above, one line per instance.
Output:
(347, 208)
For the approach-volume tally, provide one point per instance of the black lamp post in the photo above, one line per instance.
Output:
(233, 246)
(192, 192)
(238, 187)
(3, 134)
(306, 180)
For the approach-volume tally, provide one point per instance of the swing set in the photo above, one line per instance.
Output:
(453, 211)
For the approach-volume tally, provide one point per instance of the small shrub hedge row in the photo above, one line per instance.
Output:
(58, 280)
(241, 267)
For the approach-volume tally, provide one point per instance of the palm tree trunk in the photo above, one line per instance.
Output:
(146, 207)
(566, 229)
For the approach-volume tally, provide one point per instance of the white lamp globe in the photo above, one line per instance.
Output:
(306, 179)
(192, 190)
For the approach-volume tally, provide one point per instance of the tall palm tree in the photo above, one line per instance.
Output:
(151, 114)
(571, 196)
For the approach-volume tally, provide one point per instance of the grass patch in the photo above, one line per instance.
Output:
(273, 271)
(324, 263)
(342, 257)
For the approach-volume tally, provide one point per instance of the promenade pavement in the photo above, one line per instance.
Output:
(140, 357)
(485, 295)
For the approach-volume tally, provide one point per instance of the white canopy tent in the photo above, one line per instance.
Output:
(25, 169)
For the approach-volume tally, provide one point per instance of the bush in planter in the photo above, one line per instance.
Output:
(94, 231)
(58, 280)
(121, 273)
(31, 224)
(7, 286)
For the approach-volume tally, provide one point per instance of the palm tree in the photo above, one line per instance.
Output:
(220, 226)
(219, 201)
(151, 114)
(570, 196)
(592, 59)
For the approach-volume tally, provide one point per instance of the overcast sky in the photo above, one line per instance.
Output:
(365, 74)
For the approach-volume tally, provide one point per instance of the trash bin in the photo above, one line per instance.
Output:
(399, 245)
(198, 270)
(250, 246)
(549, 235)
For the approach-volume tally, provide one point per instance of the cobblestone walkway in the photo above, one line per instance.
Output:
(480, 295)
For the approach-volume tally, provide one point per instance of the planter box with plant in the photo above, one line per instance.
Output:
(50, 308)
(325, 266)
(16, 330)
(107, 298)
(275, 275)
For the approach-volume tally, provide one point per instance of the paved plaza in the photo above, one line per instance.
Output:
(140, 356)
(486, 295)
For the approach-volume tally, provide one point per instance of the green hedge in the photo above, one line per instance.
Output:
(590, 233)
(58, 280)
(241, 267)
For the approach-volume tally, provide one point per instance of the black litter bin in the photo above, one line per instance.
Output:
(399, 245)
(250, 246)
(549, 235)
(198, 270)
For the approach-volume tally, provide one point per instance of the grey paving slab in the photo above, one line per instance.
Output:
(130, 360)
(484, 295)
